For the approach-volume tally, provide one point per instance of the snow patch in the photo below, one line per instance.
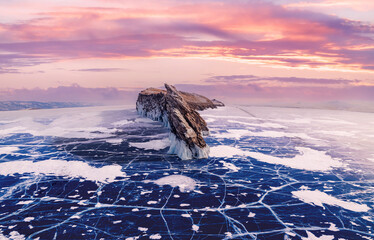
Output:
(24, 202)
(14, 235)
(367, 218)
(195, 228)
(8, 150)
(232, 134)
(228, 234)
(185, 184)
(311, 236)
(28, 219)
(210, 120)
(222, 151)
(230, 166)
(264, 125)
(320, 198)
(121, 123)
(155, 236)
(336, 133)
(65, 124)
(153, 144)
(143, 120)
(239, 133)
(371, 159)
(333, 227)
(71, 169)
(251, 215)
(114, 141)
(308, 159)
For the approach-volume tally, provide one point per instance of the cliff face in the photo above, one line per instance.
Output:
(177, 110)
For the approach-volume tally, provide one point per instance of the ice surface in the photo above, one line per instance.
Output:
(273, 173)
(239, 133)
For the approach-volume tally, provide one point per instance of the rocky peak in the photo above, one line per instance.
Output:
(170, 89)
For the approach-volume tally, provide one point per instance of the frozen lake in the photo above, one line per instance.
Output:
(103, 173)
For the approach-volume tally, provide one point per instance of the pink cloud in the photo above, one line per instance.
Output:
(252, 31)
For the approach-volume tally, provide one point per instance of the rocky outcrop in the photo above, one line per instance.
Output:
(217, 103)
(177, 110)
(196, 101)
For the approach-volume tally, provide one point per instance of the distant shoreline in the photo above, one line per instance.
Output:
(35, 105)
(348, 108)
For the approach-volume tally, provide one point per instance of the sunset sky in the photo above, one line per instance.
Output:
(238, 50)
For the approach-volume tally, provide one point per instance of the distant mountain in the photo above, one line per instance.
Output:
(20, 105)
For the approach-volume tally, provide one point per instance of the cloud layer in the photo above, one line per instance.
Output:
(236, 92)
(251, 31)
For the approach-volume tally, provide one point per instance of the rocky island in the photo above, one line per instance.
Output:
(177, 110)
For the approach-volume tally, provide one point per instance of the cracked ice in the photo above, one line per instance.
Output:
(104, 173)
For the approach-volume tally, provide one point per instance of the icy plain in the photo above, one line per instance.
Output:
(104, 173)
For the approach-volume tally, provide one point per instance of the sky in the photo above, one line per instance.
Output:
(238, 50)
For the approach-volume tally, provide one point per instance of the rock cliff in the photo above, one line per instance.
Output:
(177, 110)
